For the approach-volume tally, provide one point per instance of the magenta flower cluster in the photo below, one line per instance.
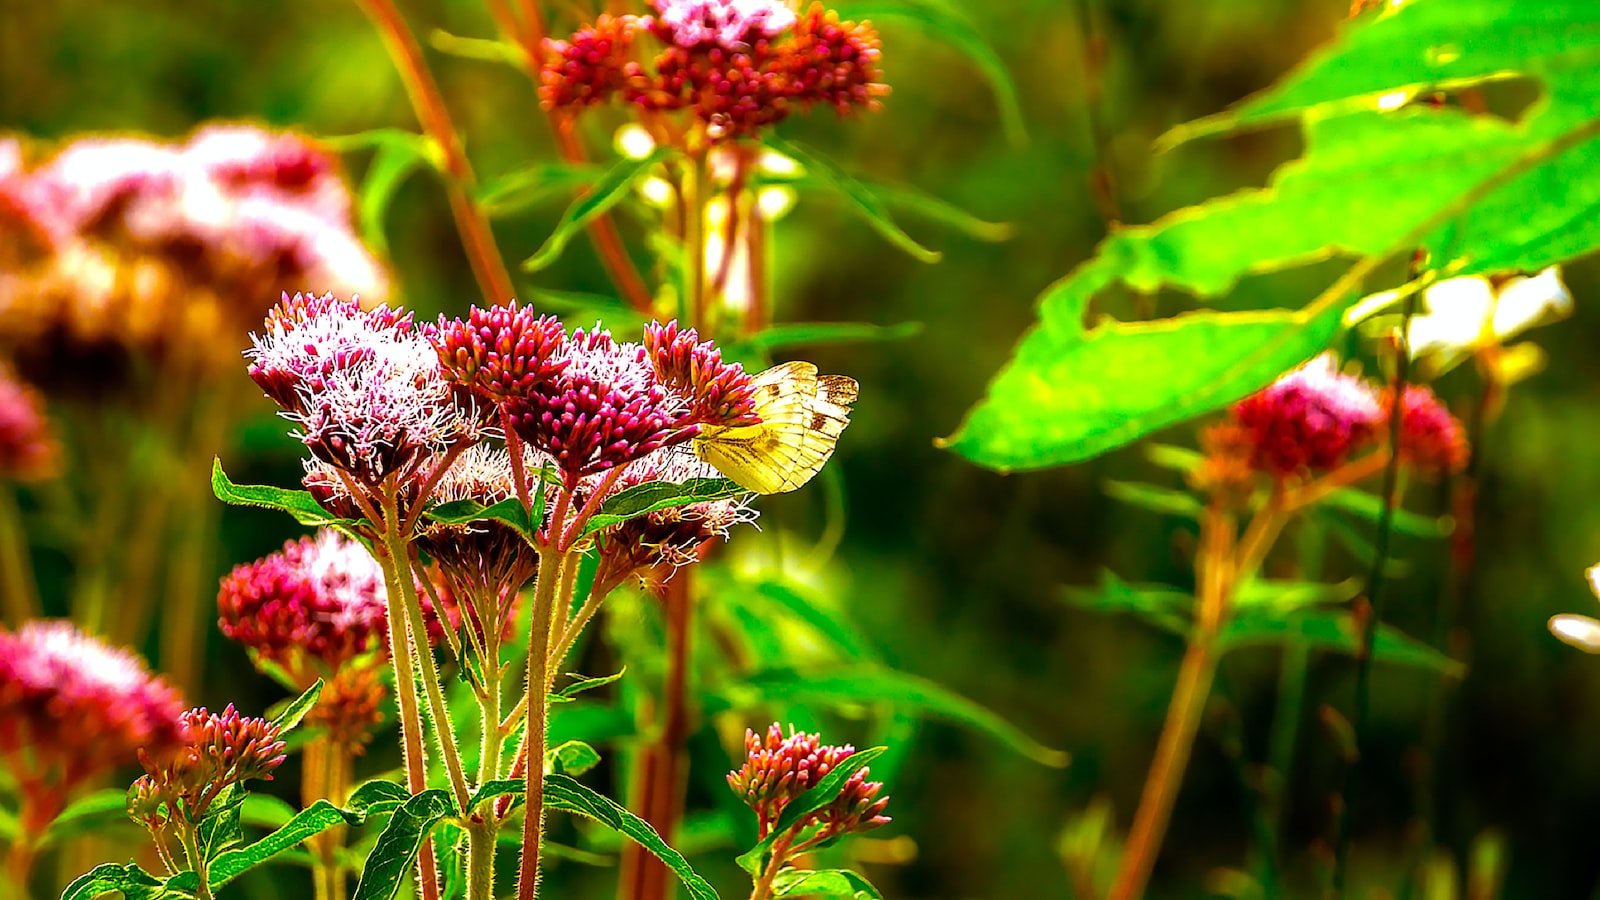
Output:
(28, 447)
(734, 65)
(779, 769)
(217, 751)
(72, 708)
(159, 247)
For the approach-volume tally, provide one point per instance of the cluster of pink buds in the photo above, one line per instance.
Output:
(28, 447)
(779, 769)
(124, 247)
(218, 750)
(73, 708)
(735, 65)
(317, 609)
(1314, 419)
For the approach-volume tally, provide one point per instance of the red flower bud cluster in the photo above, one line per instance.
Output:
(1431, 440)
(735, 65)
(28, 447)
(779, 769)
(218, 750)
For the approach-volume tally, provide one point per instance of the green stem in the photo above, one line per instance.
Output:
(482, 835)
(480, 857)
(405, 689)
(16, 568)
(197, 859)
(780, 854)
(400, 554)
(551, 561)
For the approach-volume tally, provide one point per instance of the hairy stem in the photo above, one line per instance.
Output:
(476, 236)
(780, 855)
(551, 560)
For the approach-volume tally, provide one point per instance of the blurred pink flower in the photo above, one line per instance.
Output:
(1309, 420)
(28, 447)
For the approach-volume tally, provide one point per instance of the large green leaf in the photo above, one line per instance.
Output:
(134, 883)
(815, 797)
(509, 512)
(562, 792)
(298, 504)
(823, 883)
(396, 850)
(873, 684)
(93, 812)
(607, 191)
(309, 822)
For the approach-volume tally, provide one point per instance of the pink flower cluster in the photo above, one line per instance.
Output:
(1315, 418)
(28, 447)
(72, 707)
(779, 769)
(155, 248)
(735, 65)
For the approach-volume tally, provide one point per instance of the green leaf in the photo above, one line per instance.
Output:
(1178, 459)
(1288, 597)
(391, 165)
(811, 612)
(396, 850)
(806, 334)
(873, 684)
(588, 683)
(561, 792)
(509, 512)
(266, 811)
(1165, 607)
(1070, 393)
(482, 49)
(219, 828)
(377, 797)
(1156, 499)
(134, 883)
(527, 187)
(491, 789)
(298, 504)
(823, 883)
(1334, 629)
(607, 191)
(296, 711)
(919, 202)
(862, 200)
(948, 22)
(817, 796)
(309, 822)
(93, 812)
(1370, 508)
(654, 495)
(571, 758)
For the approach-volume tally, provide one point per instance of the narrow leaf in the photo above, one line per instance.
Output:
(1370, 508)
(561, 792)
(1286, 597)
(491, 789)
(298, 504)
(1163, 606)
(99, 810)
(296, 711)
(396, 850)
(654, 495)
(872, 684)
(589, 683)
(309, 822)
(391, 165)
(1156, 499)
(806, 334)
(527, 187)
(607, 191)
(861, 198)
(1335, 630)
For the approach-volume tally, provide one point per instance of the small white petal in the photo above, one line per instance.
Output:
(1577, 631)
(1526, 302)
(1593, 572)
(1458, 312)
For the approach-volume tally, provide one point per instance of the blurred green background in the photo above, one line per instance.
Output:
(957, 573)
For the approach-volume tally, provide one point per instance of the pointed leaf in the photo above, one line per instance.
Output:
(396, 850)
(1163, 606)
(491, 789)
(516, 191)
(607, 191)
(377, 797)
(806, 334)
(654, 495)
(1156, 499)
(861, 198)
(134, 883)
(93, 812)
(589, 683)
(509, 512)
(298, 504)
(571, 758)
(872, 684)
(296, 711)
(1335, 630)
(561, 792)
(309, 822)
(1369, 507)
(1287, 597)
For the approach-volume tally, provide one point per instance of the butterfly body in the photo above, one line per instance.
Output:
(802, 415)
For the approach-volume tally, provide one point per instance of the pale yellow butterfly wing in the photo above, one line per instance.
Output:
(802, 416)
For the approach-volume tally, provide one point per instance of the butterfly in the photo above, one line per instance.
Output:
(802, 415)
